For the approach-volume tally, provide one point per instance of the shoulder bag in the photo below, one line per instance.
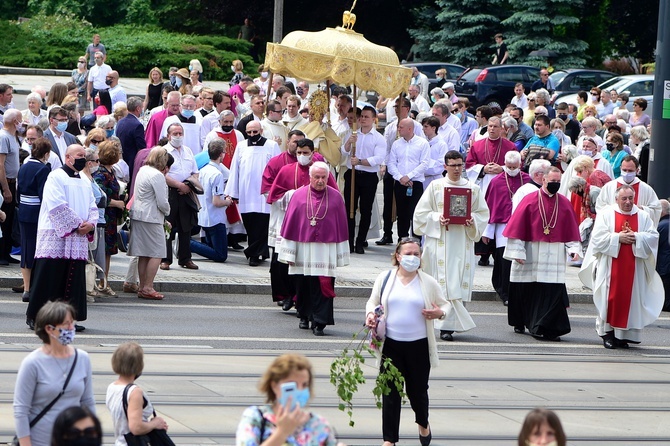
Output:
(157, 437)
(15, 441)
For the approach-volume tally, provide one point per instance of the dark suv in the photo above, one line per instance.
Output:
(494, 86)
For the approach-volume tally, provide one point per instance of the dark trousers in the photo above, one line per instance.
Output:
(311, 304)
(365, 188)
(257, 226)
(388, 205)
(8, 208)
(216, 243)
(282, 284)
(501, 271)
(182, 218)
(413, 362)
(58, 279)
(405, 205)
(666, 287)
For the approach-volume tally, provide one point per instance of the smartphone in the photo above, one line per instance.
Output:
(288, 390)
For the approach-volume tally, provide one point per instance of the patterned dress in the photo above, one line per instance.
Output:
(110, 186)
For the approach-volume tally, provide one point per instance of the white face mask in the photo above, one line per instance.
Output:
(177, 141)
(511, 172)
(304, 159)
(410, 263)
(628, 176)
(264, 74)
(586, 152)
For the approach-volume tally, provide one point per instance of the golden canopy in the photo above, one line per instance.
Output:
(339, 55)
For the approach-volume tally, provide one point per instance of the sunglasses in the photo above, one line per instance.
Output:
(97, 141)
(89, 432)
(253, 132)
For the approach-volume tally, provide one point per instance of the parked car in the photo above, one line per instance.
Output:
(494, 85)
(636, 85)
(429, 69)
(572, 80)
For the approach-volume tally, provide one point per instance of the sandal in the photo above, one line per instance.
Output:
(151, 295)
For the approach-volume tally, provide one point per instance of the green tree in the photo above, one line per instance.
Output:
(140, 13)
(457, 31)
(550, 25)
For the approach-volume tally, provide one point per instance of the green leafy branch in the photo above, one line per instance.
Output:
(346, 373)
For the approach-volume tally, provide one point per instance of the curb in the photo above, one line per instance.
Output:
(35, 71)
(362, 291)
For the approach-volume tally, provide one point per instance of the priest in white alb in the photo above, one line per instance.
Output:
(448, 252)
(620, 269)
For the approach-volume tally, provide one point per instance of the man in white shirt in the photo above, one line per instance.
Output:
(183, 210)
(190, 121)
(97, 76)
(116, 91)
(450, 125)
(419, 103)
(370, 151)
(222, 101)
(520, 99)
(420, 79)
(407, 162)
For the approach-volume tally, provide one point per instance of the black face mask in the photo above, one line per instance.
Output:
(255, 138)
(79, 164)
(563, 117)
(553, 187)
(227, 128)
(108, 81)
(609, 146)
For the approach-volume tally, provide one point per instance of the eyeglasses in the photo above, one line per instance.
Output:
(60, 120)
(253, 132)
(95, 161)
(97, 141)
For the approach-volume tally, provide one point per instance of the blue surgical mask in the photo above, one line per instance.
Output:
(618, 103)
(628, 177)
(190, 68)
(178, 81)
(187, 113)
(459, 115)
(301, 397)
(410, 263)
(93, 147)
(110, 132)
(570, 116)
(61, 126)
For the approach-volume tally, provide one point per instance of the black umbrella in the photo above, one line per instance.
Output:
(543, 53)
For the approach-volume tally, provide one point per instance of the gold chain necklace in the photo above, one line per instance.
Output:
(551, 224)
(509, 188)
(310, 207)
(486, 150)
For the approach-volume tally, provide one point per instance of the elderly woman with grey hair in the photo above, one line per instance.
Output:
(107, 123)
(639, 136)
(33, 114)
(512, 132)
(436, 94)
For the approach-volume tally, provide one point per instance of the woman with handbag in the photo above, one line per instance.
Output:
(412, 301)
(285, 420)
(76, 426)
(53, 377)
(130, 408)
(97, 246)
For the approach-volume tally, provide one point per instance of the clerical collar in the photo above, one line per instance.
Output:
(535, 184)
(70, 171)
(261, 141)
(190, 120)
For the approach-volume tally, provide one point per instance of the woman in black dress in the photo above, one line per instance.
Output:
(153, 97)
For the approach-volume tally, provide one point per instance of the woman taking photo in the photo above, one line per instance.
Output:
(43, 375)
(138, 416)
(412, 300)
(147, 219)
(109, 153)
(153, 97)
(76, 426)
(30, 185)
(277, 424)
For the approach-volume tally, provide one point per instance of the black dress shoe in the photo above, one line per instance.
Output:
(446, 335)
(519, 330)
(254, 262)
(365, 244)
(280, 303)
(425, 441)
(318, 331)
(384, 241)
(79, 328)
(11, 259)
(620, 344)
(304, 324)
(359, 250)
(236, 246)
(31, 324)
(18, 289)
(288, 304)
(25, 297)
(506, 303)
(483, 262)
(609, 344)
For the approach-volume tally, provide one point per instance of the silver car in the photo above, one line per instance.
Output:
(636, 85)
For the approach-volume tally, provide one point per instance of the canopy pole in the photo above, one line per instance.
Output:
(353, 153)
(267, 97)
(328, 93)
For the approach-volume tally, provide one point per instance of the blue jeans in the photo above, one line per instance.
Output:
(216, 244)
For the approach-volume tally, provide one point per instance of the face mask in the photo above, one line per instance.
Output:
(178, 81)
(628, 177)
(511, 172)
(61, 126)
(299, 90)
(177, 141)
(81, 64)
(459, 115)
(232, 68)
(79, 164)
(594, 98)
(264, 74)
(227, 128)
(410, 263)
(109, 132)
(93, 147)
(94, 169)
(553, 187)
(618, 103)
(563, 117)
(190, 68)
(304, 159)
(586, 152)
(301, 397)
(66, 336)
(187, 113)
(108, 81)
(255, 138)
(20, 128)
(570, 116)
(172, 79)
(30, 147)
(609, 146)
